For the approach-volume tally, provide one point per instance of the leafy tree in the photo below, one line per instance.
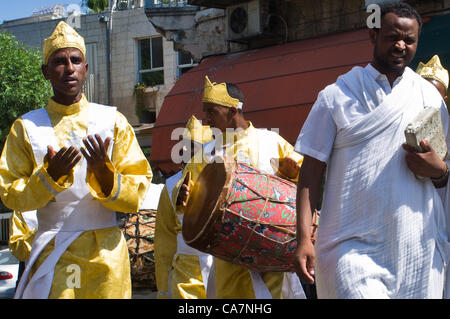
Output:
(96, 5)
(22, 85)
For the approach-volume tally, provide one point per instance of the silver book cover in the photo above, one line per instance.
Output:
(427, 126)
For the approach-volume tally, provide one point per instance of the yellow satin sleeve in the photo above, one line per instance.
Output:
(20, 236)
(285, 149)
(24, 186)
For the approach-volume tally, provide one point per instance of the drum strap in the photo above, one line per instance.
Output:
(259, 286)
(210, 284)
(267, 149)
(292, 288)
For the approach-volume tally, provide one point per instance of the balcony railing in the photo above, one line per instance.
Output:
(166, 4)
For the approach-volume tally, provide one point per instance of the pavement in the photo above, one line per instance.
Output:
(143, 293)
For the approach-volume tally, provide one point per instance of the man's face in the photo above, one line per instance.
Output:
(217, 116)
(66, 70)
(395, 43)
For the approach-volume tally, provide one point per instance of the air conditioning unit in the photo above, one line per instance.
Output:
(122, 5)
(244, 20)
(133, 4)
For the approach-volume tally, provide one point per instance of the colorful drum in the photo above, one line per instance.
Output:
(139, 232)
(243, 216)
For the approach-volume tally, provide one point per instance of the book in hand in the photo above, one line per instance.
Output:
(427, 126)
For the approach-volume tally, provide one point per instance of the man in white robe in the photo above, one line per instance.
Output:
(382, 231)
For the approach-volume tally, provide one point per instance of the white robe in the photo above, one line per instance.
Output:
(445, 195)
(382, 231)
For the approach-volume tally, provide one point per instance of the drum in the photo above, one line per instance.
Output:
(241, 215)
(139, 232)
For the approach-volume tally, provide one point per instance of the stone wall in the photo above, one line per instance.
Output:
(127, 27)
(205, 33)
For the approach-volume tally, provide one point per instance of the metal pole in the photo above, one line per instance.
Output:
(108, 48)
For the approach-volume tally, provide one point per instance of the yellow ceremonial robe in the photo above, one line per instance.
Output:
(233, 281)
(166, 229)
(184, 270)
(102, 254)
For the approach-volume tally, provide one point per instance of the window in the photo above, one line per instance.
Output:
(151, 62)
(185, 63)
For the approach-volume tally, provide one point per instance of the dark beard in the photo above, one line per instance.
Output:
(384, 67)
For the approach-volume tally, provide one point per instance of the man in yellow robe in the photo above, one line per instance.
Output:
(21, 234)
(76, 163)
(434, 72)
(178, 267)
(266, 150)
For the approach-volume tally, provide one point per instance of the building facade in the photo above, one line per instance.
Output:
(227, 26)
(123, 50)
(280, 53)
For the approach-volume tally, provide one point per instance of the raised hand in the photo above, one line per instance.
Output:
(184, 192)
(96, 155)
(286, 167)
(62, 162)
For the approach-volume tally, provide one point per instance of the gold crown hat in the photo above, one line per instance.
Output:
(433, 69)
(197, 132)
(217, 93)
(64, 36)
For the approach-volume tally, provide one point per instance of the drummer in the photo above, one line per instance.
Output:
(179, 268)
(239, 139)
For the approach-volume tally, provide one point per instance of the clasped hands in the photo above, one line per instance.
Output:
(95, 152)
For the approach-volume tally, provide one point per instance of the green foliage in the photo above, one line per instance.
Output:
(22, 85)
(139, 89)
(96, 5)
(146, 150)
(153, 78)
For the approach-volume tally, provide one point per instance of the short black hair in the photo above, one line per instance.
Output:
(234, 91)
(402, 10)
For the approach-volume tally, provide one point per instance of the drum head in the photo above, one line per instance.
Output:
(203, 200)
